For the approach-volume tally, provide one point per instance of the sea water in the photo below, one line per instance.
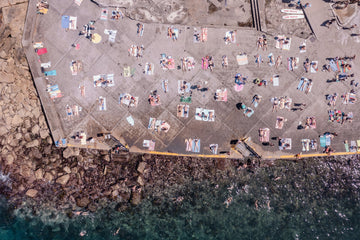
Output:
(314, 199)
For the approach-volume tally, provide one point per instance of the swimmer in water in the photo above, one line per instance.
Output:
(82, 233)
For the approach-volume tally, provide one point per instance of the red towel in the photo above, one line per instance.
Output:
(41, 51)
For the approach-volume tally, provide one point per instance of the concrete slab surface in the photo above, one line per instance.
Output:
(230, 123)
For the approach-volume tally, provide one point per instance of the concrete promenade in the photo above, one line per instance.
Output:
(230, 123)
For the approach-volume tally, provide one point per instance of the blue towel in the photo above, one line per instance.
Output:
(65, 20)
(50, 73)
(333, 65)
(63, 141)
(300, 84)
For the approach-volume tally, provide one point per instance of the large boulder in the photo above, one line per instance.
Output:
(135, 198)
(34, 143)
(35, 129)
(31, 193)
(16, 121)
(141, 167)
(6, 78)
(3, 130)
(48, 177)
(63, 179)
(39, 173)
(69, 152)
(82, 202)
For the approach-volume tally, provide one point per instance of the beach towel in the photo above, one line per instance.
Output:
(248, 112)
(102, 103)
(149, 69)
(346, 146)
(130, 120)
(45, 65)
(164, 85)
(302, 83)
(149, 144)
(185, 99)
(314, 66)
(271, 59)
(204, 34)
(239, 87)
(333, 66)
(38, 45)
(279, 122)
(358, 145)
(104, 14)
(41, 51)
(353, 146)
(127, 71)
(305, 145)
(322, 141)
(50, 73)
(72, 23)
(290, 59)
(65, 20)
(231, 35)
(111, 33)
(276, 80)
(242, 59)
(284, 142)
(195, 145)
(204, 63)
(264, 134)
(221, 95)
(214, 148)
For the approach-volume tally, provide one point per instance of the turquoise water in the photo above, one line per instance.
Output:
(311, 200)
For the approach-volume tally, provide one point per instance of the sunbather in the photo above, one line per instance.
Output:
(197, 145)
(278, 61)
(69, 112)
(225, 62)
(307, 65)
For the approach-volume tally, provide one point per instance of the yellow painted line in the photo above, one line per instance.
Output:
(188, 155)
(311, 155)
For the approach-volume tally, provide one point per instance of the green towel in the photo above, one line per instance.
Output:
(185, 99)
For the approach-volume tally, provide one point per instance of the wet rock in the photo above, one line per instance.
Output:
(92, 207)
(39, 173)
(31, 193)
(135, 198)
(82, 202)
(140, 180)
(34, 143)
(125, 196)
(63, 179)
(141, 167)
(115, 193)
